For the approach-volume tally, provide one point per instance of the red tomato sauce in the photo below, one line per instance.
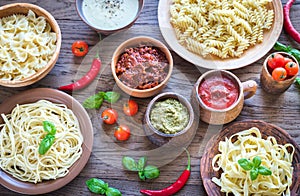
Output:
(218, 92)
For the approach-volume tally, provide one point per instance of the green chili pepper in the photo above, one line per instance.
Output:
(46, 143)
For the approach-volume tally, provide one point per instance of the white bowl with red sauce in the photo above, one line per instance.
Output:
(142, 66)
(220, 96)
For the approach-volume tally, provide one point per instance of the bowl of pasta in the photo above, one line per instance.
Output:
(30, 46)
(251, 157)
(29, 122)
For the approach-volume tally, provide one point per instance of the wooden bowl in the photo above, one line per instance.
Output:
(23, 8)
(269, 84)
(136, 42)
(162, 97)
(107, 31)
(266, 130)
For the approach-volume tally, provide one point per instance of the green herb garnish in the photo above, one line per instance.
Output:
(144, 172)
(95, 101)
(100, 187)
(254, 167)
(48, 140)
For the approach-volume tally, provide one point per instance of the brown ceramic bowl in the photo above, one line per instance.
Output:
(79, 4)
(266, 129)
(136, 42)
(162, 97)
(86, 128)
(22, 8)
(269, 84)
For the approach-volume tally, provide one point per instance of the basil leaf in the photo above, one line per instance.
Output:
(280, 47)
(298, 81)
(46, 143)
(113, 192)
(94, 101)
(295, 53)
(49, 127)
(245, 164)
(264, 171)
(111, 96)
(254, 174)
(151, 172)
(142, 175)
(97, 186)
(129, 163)
(256, 161)
(141, 163)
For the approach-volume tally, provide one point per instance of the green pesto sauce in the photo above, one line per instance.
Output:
(169, 116)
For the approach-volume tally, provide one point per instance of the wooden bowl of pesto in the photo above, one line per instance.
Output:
(168, 115)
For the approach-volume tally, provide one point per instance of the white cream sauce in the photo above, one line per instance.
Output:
(110, 14)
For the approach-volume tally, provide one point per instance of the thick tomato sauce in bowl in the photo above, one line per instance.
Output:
(218, 92)
(142, 66)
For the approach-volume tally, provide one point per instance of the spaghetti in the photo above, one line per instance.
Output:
(22, 132)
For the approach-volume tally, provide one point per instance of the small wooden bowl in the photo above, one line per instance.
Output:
(137, 42)
(23, 8)
(269, 84)
(103, 31)
(266, 129)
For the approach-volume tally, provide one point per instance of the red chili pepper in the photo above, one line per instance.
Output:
(288, 26)
(176, 186)
(86, 79)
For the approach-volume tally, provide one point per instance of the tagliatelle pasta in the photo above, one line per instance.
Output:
(22, 132)
(249, 144)
(222, 28)
(26, 45)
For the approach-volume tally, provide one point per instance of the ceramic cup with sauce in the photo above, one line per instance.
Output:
(220, 96)
(269, 84)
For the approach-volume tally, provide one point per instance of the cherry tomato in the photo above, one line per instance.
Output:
(130, 108)
(80, 48)
(122, 132)
(276, 60)
(109, 116)
(292, 68)
(279, 74)
(287, 60)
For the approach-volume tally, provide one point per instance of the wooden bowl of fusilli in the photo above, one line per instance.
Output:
(31, 44)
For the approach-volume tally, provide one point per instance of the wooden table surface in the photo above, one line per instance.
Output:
(282, 110)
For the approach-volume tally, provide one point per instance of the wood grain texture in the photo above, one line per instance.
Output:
(282, 110)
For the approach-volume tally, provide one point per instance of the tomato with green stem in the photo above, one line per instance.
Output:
(130, 108)
(109, 116)
(122, 132)
(279, 74)
(276, 60)
(292, 68)
(80, 48)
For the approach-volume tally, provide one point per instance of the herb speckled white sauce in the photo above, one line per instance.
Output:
(110, 14)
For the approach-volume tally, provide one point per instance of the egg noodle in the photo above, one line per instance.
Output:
(22, 133)
(248, 144)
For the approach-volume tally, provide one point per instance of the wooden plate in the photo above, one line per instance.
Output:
(266, 130)
(86, 128)
(251, 55)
